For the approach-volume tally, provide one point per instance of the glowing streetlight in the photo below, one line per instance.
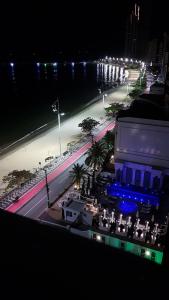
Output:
(56, 109)
(12, 64)
(38, 64)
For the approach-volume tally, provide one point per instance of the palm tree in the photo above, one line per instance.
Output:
(109, 140)
(78, 172)
(96, 157)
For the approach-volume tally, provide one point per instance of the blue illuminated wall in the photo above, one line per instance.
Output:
(115, 190)
(127, 207)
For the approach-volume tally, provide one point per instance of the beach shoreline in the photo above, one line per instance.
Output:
(28, 154)
(5, 149)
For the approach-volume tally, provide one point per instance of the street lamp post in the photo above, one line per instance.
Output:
(140, 80)
(128, 85)
(56, 108)
(47, 186)
(104, 95)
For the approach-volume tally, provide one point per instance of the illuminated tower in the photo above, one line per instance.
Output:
(132, 32)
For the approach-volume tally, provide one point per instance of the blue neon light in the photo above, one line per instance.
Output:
(127, 193)
(127, 207)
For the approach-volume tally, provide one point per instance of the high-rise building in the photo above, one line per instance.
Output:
(157, 55)
(138, 28)
(132, 31)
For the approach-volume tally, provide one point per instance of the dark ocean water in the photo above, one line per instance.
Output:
(27, 92)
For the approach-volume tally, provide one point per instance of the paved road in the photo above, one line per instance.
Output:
(38, 203)
(35, 201)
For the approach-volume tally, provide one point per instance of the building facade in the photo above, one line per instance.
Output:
(141, 152)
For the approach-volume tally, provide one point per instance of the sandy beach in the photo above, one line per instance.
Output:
(29, 154)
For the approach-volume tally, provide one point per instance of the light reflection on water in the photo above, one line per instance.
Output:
(38, 84)
(105, 73)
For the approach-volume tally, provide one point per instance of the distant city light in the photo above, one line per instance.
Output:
(126, 60)
(12, 64)
(138, 13)
(38, 64)
(45, 65)
(73, 64)
(55, 64)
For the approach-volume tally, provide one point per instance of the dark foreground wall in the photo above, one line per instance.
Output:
(35, 256)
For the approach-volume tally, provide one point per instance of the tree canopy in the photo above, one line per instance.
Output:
(96, 155)
(113, 108)
(109, 140)
(78, 172)
(88, 124)
(15, 178)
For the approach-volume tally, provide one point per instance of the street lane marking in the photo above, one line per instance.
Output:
(35, 205)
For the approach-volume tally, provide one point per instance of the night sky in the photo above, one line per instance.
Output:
(70, 26)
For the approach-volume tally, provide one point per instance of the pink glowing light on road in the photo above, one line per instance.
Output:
(72, 159)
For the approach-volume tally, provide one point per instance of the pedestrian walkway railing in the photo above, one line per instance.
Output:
(10, 197)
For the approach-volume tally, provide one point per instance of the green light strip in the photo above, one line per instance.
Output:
(148, 253)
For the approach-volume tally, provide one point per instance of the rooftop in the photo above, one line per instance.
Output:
(145, 121)
(75, 205)
(158, 84)
(147, 106)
